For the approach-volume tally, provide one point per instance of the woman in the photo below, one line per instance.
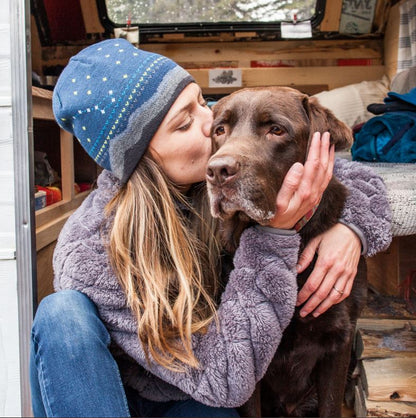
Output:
(137, 266)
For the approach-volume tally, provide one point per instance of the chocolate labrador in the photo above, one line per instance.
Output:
(258, 133)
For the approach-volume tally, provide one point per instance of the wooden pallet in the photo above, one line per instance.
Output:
(386, 372)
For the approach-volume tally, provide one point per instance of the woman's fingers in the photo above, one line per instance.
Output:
(312, 166)
(303, 185)
(332, 290)
(289, 187)
(339, 291)
(334, 272)
(307, 256)
(318, 168)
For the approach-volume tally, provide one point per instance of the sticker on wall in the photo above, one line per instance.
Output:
(299, 30)
(357, 16)
(225, 77)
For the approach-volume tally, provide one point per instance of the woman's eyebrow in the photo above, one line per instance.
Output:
(184, 109)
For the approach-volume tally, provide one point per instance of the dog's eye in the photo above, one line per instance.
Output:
(275, 130)
(219, 130)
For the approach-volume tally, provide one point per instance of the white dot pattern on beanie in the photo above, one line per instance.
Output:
(103, 87)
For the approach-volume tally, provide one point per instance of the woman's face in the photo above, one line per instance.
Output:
(182, 144)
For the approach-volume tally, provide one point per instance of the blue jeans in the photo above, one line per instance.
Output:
(73, 374)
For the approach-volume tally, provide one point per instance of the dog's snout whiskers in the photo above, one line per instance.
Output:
(222, 169)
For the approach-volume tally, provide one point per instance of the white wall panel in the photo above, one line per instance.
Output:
(9, 341)
(10, 390)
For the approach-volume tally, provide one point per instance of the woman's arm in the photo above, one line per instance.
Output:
(364, 228)
(256, 306)
(367, 209)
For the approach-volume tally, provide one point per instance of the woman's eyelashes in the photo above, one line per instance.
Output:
(190, 118)
(186, 124)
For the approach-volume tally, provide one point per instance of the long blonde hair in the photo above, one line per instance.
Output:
(166, 262)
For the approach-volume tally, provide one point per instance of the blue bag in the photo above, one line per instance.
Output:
(390, 138)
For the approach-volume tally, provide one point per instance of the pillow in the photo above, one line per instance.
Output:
(349, 103)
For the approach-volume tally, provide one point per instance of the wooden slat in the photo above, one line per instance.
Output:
(43, 216)
(387, 270)
(391, 41)
(385, 324)
(364, 407)
(386, 343)
(390, 379)
(245, 52)
(36, 47)
(383, 270)
(41, 104)
(386, 384)
(390, 409)
(49, 232)
(90, 16)
(67, 165)
(44, 270)
(42, 93)
(330, 22)
(332, 76)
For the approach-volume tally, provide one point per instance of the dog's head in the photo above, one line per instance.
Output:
(258, 134)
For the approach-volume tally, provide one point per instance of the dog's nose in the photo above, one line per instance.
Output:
(223, 169)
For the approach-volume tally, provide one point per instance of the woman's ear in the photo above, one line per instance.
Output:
(322, 120)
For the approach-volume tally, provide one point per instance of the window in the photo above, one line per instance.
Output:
(164, 16)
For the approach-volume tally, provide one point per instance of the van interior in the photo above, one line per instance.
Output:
(347, 53)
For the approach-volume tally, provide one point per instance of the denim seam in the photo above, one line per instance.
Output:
(126, 404)
(43, 379)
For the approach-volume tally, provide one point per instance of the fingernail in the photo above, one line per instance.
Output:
(298, 266)
(303, 314)
(297, 167)
(315, 314)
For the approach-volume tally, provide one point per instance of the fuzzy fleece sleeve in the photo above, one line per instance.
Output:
(366, 210)
(256, 306)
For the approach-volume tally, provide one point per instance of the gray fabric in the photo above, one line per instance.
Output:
(400, 181)
(272, 230)
(364, 246)
(406, 54)
(367, 207)
(404, 81)
(256, 305)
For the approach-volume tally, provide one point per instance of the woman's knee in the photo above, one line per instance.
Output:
(68, 315)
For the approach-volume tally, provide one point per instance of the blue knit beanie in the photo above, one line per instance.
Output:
(113, 97)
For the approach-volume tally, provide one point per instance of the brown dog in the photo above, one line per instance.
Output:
(258, 134)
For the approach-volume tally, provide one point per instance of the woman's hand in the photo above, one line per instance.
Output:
(331, 280)
(303, 185)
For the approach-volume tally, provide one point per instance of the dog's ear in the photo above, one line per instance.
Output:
(322, 120)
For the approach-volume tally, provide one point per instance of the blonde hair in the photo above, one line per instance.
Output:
(166, 262)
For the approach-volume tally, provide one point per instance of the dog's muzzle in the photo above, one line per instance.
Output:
(222, 170)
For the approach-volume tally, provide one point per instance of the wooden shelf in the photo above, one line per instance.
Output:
(308, 79)
(50, 220)
(42, 104)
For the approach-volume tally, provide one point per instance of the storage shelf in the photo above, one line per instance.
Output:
(50, 219)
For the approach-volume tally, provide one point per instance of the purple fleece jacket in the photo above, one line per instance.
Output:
(256, 306)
